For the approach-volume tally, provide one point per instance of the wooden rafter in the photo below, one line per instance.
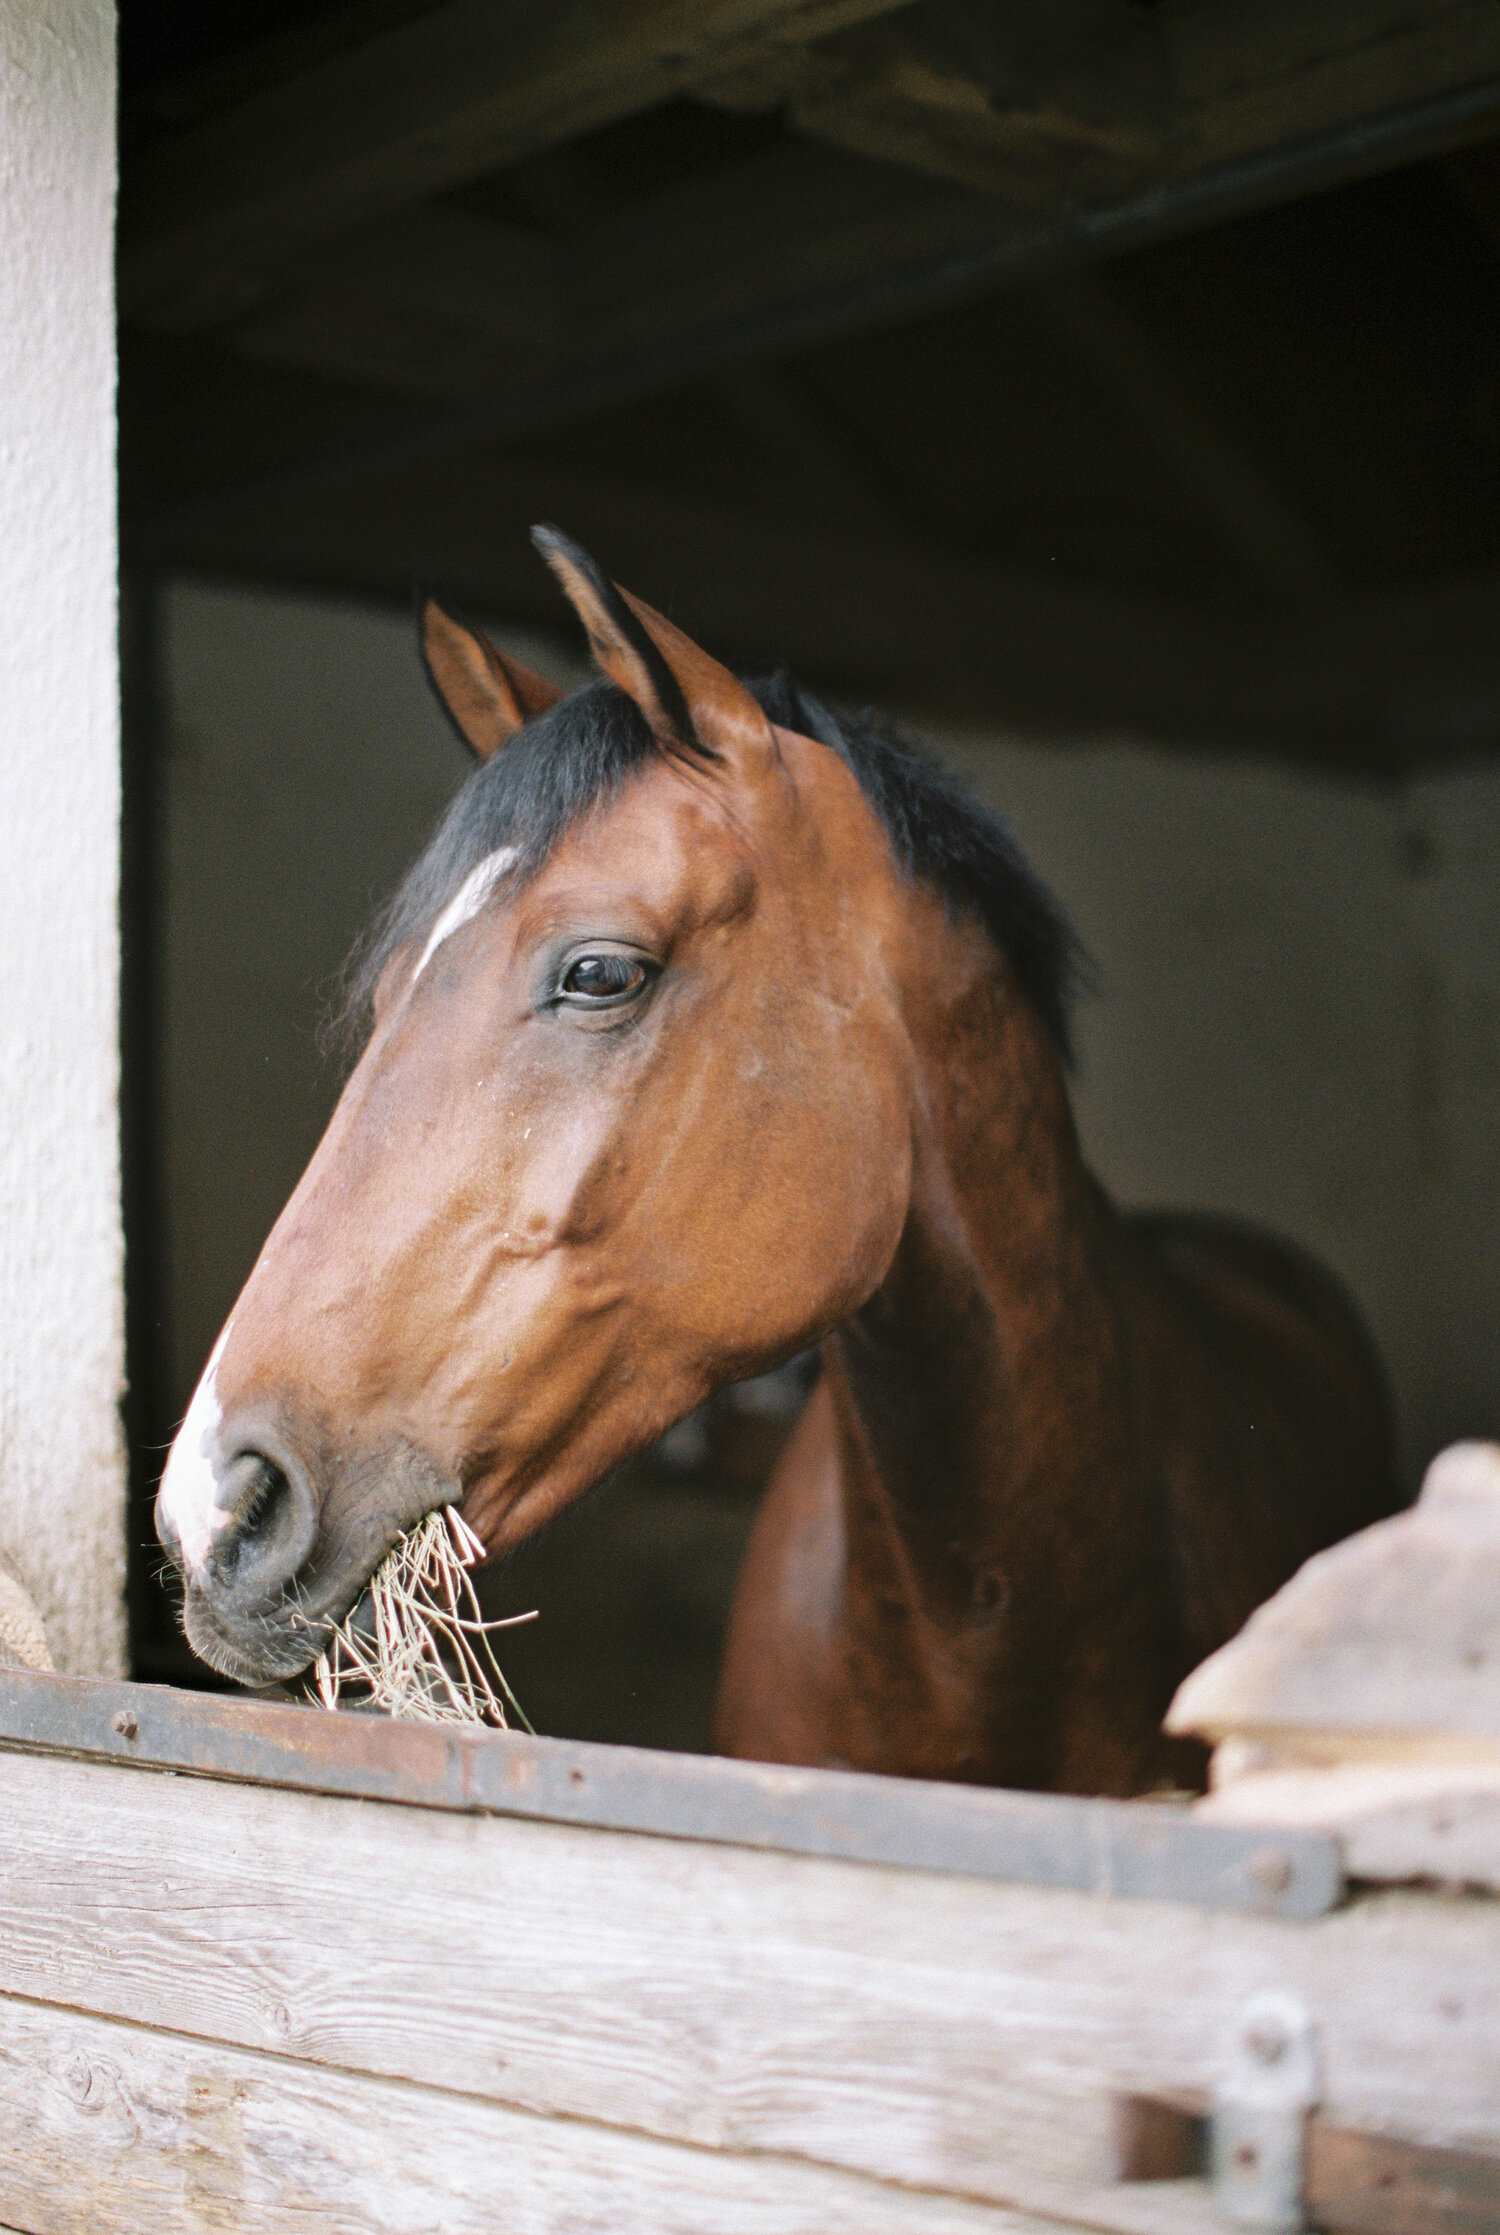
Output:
(302, 226)
(801, 244)
(464, 87)
(1126, 117)
(971, 91)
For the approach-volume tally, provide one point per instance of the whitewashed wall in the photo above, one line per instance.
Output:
(1298, 1016)
(61, 1476)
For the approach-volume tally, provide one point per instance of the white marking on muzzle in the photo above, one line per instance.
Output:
(466, 902)
(190, 1484)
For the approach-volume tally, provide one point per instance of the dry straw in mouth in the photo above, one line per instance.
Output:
(429, 1658)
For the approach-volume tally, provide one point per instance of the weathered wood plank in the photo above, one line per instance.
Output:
(946, 2033)
(1043, 108)
(108, 2129)
(1112, 1847)
(459, 89)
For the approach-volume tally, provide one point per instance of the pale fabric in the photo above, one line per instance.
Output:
(23, 1636)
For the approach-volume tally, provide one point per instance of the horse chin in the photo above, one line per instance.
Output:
(276, 1644)
(279, 1655)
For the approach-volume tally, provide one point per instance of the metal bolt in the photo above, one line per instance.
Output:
(124, 1725)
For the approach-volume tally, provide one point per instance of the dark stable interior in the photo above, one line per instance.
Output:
(1109, 366)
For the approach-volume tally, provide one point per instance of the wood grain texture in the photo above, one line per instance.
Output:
(1042, 108)
(1402, 1814)
(947, 2033)
(109, 2129)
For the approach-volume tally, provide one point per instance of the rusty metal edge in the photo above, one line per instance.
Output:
(1125, 1849)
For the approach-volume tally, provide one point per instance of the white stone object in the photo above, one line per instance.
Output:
(1364, 1698)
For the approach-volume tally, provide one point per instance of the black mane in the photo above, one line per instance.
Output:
(576, 756)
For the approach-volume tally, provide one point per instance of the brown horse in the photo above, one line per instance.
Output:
(713, 1025)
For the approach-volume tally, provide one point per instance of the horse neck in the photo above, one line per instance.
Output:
(982, 1395)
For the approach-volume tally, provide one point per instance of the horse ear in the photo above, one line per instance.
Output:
(693, 704)
(486, 696)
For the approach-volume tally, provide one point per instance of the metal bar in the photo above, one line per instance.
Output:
(1126, 1849)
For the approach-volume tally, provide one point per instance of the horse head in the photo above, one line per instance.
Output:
(632, 1120)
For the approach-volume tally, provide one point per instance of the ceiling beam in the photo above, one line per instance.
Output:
(466, 86)
(1042, 107)
(800, 246)
(1090, 121)
(1080, 101)
(1257, 71)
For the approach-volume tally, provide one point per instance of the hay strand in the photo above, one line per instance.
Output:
(430, 1659)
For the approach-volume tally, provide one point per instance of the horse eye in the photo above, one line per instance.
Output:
(603, 977)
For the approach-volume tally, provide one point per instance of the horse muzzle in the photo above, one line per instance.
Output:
(274, 1542)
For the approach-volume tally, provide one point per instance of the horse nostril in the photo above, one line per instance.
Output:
(269, 1525)
(269, 1488)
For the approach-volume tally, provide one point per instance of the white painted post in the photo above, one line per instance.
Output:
(61, 1461)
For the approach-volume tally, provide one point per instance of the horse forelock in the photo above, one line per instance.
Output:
(507, 819)
(512, 811)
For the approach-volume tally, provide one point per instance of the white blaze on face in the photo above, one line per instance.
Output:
(188, 1496)
(190, 1484)
(466, 902)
